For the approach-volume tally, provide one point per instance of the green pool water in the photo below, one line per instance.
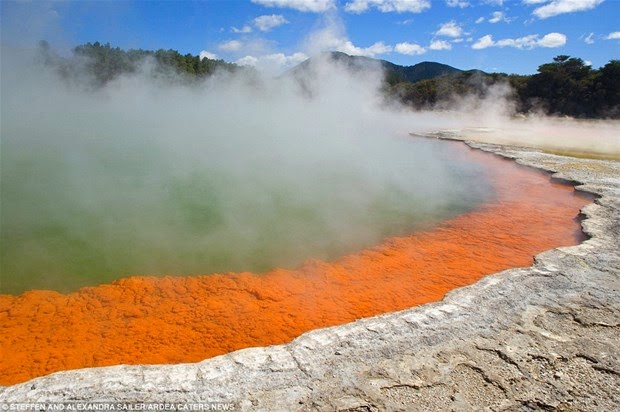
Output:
(125, 215)
(144, 177)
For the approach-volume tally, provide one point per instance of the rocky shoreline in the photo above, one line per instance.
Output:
(545, 337)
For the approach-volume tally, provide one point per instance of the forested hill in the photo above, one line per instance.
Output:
(418, 72)
(393, 73)
(103, 63)
(565, 86)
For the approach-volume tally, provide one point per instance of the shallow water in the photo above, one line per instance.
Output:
(150, 320)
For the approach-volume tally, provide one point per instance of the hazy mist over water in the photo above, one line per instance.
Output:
(237, 173)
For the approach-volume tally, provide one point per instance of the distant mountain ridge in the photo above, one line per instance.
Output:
(394, 73)
(566, 86)
(420, 71)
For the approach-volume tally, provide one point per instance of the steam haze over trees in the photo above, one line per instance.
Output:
(567, 86)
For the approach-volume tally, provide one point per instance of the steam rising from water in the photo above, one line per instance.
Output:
(235, 174)
(493, 120)
(588, 138)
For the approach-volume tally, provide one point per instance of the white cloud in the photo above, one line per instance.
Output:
(313, 6)
(286, 61)
(386, 6)
(449, 29)
(613, 36)
(371, 51)
(333, 38)
(345, 45)
(409, 49)
(247, 61)
(440, 45)
(357, 6)
(528, 2)
(244, 29)
(457, 3)
(531, 41)
(494, 2)
(556, 7)
(498, 16)
(483, 42)
(273, 63)
(479, 20)
(587, 62)
(205, 54)
(230, 46)
(552, 40)
(269, 22)
(589, 39)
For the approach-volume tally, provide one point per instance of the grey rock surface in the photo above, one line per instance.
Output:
(545, 337)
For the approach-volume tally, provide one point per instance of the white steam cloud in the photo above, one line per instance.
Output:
(236, 173)
(332, 37)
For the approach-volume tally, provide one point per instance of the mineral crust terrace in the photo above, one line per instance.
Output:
(545, 337)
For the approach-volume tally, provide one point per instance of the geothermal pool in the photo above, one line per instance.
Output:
(500, 217)
(74, 217)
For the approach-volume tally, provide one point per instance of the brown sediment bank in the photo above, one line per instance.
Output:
(154, 320)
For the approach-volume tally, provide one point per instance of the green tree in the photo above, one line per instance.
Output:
(563, 87)
(105, 63)
(608, 83)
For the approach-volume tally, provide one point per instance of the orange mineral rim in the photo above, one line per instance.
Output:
(157, 320)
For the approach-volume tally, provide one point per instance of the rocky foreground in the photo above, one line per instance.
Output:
(540, 338)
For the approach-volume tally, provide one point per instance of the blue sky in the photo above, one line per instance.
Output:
(513, 36)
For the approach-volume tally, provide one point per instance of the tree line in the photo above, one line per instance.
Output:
(102, 63)
(566, 87)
